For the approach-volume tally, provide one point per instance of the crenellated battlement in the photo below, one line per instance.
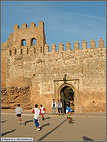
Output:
(26, 37)
(36, 50)
(32, 41)
(32, 25)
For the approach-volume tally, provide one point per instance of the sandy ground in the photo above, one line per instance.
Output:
(85, 127)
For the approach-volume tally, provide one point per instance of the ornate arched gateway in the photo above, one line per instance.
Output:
(67, 98)
(68, 93)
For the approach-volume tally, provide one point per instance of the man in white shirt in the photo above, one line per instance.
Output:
(53, 106)
(19, 111)
(36, 112)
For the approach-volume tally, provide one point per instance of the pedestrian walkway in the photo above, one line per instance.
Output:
(86, 126)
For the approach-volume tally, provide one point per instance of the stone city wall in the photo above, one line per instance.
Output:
(43, 71)
(40, 70)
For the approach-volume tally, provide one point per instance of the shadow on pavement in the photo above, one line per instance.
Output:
(47, 118)
(51, 131)
(87, 139)
(3, 121)
(45, 125)
(28, 121)
(8, 132)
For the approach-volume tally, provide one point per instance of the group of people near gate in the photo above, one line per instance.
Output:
(37, 112)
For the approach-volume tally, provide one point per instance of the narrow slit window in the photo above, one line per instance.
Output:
(41, 49)
(27, 50)
(10, 52)
(34, 50)
(15, 51)
(21, 51)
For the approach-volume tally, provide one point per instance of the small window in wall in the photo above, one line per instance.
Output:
(27, 50)
(23, 42)
(15, 51)
(21, 51)
(33, 41)
(10, 52)
(34, 50)
(41, 49)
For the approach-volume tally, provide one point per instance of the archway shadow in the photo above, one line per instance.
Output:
(5, 133)
(28, 122)
(45, 125)
(87, 139)
(3, 121)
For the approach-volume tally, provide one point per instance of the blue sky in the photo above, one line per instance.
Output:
(64, 20)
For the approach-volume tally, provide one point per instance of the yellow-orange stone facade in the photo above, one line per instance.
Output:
(31, 74)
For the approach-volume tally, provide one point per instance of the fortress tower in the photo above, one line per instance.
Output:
(31, 74)
(20, 41)
(29, 36)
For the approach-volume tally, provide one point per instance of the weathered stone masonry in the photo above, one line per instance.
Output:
(34, 67)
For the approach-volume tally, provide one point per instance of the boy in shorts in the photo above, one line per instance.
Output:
(42, 111)
(19, 111)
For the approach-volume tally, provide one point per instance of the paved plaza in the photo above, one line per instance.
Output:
(85, 127)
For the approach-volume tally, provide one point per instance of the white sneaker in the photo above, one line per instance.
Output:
(38, 129)
(20, 123)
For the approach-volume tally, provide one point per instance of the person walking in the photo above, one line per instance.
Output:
(19, 111)
(53, 106)
(68, 111)
(59, 106)
(42, 111)
(36, 112)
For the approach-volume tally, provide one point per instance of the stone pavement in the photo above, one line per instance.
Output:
(86, 126)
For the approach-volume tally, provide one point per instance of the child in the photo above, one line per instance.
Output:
(42, 111)
(19, 111)
(36, 112)
(68, 111)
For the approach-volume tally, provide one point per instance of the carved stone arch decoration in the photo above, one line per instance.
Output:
(65, 84)
(66, 93)
(74, 85)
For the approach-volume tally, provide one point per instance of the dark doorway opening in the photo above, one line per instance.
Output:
(67, 98)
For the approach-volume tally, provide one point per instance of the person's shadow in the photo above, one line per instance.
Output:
(47, 118)
(5, 133)
(3, 121)
(87, 139)
(44, 125)
(28, 122)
